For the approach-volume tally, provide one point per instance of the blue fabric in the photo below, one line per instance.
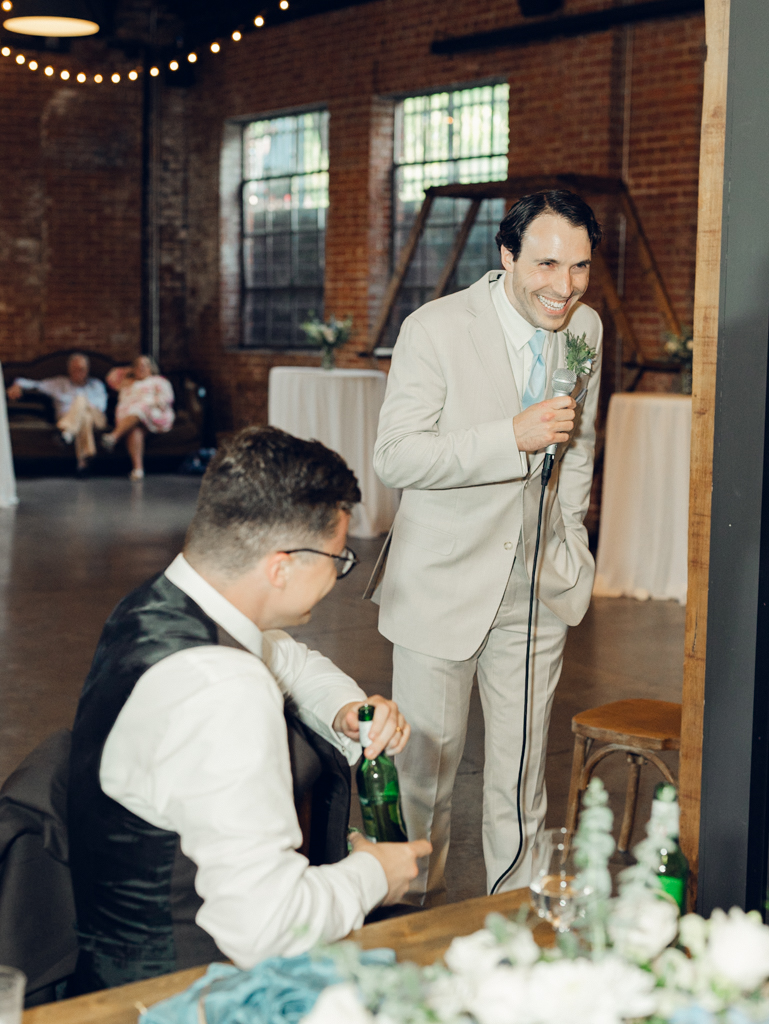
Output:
(277, 991)
(537, 382)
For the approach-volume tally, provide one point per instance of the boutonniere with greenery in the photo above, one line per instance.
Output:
(579, 355)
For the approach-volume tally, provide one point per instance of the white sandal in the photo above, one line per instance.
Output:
(136, 474)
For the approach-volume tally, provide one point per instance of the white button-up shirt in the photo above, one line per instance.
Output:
(200, 749)
(517, 332)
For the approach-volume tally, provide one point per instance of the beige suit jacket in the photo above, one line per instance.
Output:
(446, 437)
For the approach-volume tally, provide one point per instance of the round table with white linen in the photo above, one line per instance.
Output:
(643, 538)
(340, 408)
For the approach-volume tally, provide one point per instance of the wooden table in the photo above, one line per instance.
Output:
(422, 938)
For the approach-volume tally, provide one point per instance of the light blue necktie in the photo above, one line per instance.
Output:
(535, 388)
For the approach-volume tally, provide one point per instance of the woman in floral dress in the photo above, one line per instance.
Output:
(145, 403)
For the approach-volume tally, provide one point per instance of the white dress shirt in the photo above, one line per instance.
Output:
(64, 392)
(200, 748)
(517, 332)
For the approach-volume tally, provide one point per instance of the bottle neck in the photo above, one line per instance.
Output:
(365, 728)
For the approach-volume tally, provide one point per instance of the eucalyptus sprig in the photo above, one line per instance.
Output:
(579, 355)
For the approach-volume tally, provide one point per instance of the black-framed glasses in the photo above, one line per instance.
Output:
(344, 562)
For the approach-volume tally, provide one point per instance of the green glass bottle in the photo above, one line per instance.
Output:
(378, 790)
(673, 869)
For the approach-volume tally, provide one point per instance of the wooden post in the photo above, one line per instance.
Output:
(706, 307)
(649, 264)
(457, 249)
(404, 260)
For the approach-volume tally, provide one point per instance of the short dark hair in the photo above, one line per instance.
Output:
(560, 201)
(264, 490)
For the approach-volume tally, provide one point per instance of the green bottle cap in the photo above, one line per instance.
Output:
(365, 712)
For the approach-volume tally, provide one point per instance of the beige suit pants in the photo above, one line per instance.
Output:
(80, 420)
(434, 696)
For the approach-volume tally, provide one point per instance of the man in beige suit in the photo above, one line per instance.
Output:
(463, 429)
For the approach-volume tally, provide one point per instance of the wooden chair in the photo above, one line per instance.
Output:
(639, 728)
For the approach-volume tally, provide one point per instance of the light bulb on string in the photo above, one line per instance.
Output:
(215, 47)
(20, 58)
(258, 21)
(116, 78)
(284, 5)
(98, 79)
(6, 51)
(7, 5)
(49, 71)
(33, 65)
(81, 77)
(133, 75)
(154, 72)
(192, 57)
(174, 65)
(236, 36)
(65, 75)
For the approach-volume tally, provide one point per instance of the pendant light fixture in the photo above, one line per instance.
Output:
(51, 18)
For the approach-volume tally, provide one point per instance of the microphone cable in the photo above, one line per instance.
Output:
(547, 468)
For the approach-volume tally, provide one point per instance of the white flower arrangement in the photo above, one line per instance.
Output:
(680, 347)
(718, 972)
(327, 335)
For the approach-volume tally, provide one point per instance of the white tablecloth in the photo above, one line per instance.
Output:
(642, 546)
(341, 409)
(7, 476)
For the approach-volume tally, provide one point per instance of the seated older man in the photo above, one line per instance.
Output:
(200, 723)
(80, 402)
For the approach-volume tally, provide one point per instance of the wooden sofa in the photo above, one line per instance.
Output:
(32, 420)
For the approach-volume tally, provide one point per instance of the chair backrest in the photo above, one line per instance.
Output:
(37, 908)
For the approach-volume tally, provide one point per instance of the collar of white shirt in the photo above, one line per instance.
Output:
(517, 329)
(216, 607)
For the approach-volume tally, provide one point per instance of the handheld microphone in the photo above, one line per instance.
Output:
(563, 382)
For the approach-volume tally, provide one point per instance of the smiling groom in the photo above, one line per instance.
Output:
(463, 428)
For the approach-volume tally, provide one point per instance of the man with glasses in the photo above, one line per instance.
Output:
(204, 734)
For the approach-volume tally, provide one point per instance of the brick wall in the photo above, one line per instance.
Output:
(568, 112)
(70, 225)
(70, 174)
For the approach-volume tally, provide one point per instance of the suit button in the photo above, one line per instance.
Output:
(508, 545)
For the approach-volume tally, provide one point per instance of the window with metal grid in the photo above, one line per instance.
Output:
(285, 199)
(458, 136)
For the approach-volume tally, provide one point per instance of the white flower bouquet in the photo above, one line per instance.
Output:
(629, 959)
(327, 335)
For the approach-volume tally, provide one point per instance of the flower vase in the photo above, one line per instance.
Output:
(685, 381)
(327, 358)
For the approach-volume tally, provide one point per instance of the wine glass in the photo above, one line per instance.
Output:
(554, 890)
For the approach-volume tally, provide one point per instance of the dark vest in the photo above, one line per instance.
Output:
(134, 889)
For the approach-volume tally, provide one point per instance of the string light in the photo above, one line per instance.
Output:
(7, 5)
(115, 77)
(284, 5)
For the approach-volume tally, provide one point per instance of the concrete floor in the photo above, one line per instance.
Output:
(73, 548)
